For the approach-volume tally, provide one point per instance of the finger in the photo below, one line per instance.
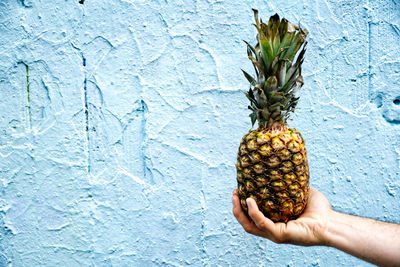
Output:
(272, 230)
(241, 217)
(258, 217)
(239, 214)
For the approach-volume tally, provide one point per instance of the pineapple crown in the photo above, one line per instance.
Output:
(278, 75)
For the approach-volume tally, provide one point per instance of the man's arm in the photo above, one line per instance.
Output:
(370, 240)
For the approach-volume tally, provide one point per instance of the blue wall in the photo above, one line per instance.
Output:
(120, 122)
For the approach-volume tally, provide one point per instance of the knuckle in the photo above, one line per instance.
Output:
(262, 225)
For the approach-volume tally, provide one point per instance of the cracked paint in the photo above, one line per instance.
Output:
(118, 142)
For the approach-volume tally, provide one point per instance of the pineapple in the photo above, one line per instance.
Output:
(272, 163)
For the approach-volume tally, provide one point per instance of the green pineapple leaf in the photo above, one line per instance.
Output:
(251, 80)
(253, 117)
(277, 58)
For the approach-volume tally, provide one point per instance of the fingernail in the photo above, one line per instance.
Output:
(248, 202)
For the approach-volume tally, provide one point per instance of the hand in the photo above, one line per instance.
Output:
(306, 230)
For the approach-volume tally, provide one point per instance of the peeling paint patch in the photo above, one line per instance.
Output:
(26, 3)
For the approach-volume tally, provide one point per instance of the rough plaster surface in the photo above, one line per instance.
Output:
(120, 122)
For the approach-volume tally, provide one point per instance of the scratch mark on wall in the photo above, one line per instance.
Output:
(369, 62)
(203, 247)
(86, 109)
(395, 28)
(147, 172)
(46, 88)
(28, 96)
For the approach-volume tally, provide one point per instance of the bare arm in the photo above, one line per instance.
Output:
(371, 240)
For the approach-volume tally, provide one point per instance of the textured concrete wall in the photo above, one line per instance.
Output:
(120, 122)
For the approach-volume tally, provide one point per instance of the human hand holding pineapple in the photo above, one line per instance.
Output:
(371, 240)
(273, 199)
(306, 230)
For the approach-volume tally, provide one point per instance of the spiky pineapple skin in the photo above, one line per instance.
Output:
(272, 168)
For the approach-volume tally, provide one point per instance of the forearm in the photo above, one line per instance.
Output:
(374, 241)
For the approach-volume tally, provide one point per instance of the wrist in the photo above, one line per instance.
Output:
(325, 229)
(333, 230)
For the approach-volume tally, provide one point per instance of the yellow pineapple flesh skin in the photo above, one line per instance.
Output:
(272, 168)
